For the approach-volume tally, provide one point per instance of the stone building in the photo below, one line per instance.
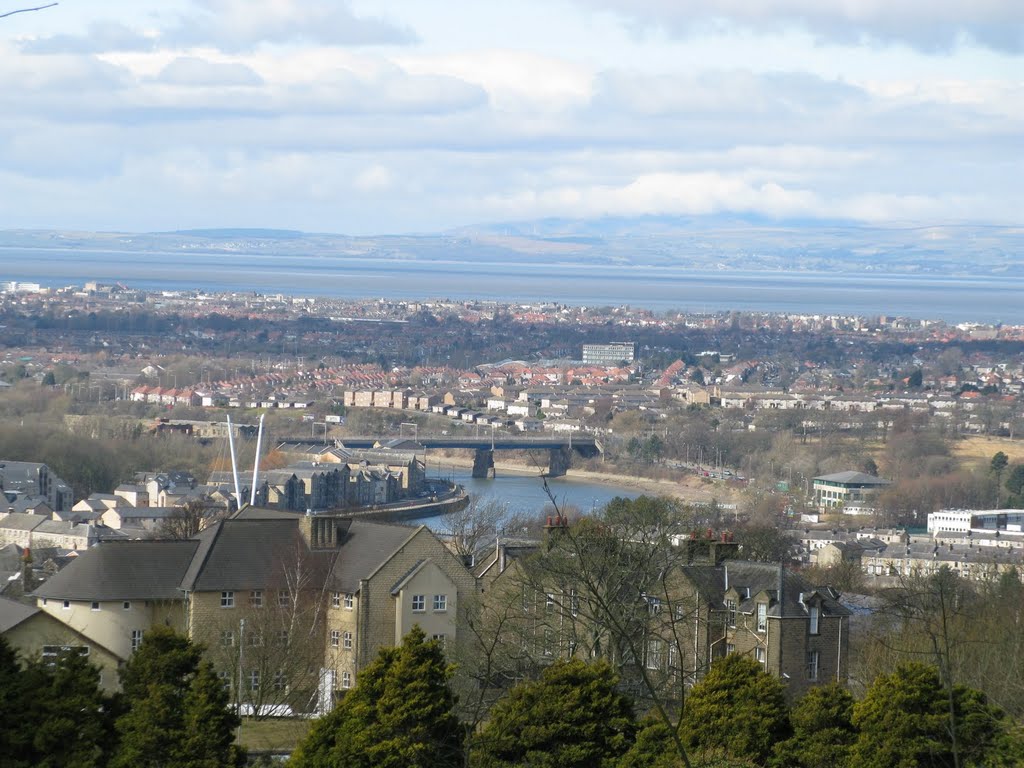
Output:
(289, 607)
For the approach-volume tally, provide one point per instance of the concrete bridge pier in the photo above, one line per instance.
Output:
(559, 461)
(483, 463)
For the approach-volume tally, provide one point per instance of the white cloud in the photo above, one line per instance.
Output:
(194, 71)
(928, 25)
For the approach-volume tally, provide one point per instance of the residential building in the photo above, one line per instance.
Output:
(290, 607)
(21, 479)
(609, 354)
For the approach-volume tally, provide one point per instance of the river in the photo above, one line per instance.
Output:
(522, 492)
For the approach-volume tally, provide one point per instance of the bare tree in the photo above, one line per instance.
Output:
(474, 525)
(186, 521)
(27, 10)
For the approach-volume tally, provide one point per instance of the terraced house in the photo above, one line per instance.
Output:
(289, 607)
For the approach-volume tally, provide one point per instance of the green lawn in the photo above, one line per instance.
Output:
(276, 733)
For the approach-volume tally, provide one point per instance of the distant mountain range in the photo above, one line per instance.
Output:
(712, 242)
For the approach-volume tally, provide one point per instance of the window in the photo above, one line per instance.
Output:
(227, 638)
(730, 607)
(673, 658)
(335, 638)
(549, 603)
(760, 655)
(729, 649)
(225, 680)
(283, 598)
(812, 665)
(654, 654)
(419, 603)
(66, 605)
(349, 601)
(227, 599)
(653, 606)
(574, 602)
(255, 639)
(439, 639)
(282, 637)
(136, 639)
(548, 646)
(815, 615)
(346, 679)
(126, 605)
(254, 680)
(762, 617)
(51, 653)
(256, 598)
(95, 606)
(280, 682)
(440, 603)
(335, 599)
(346, 641)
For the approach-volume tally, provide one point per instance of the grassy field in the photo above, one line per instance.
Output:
(274, 734)
(980, 449)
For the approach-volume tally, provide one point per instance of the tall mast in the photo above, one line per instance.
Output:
(234, 462)
(256, 463)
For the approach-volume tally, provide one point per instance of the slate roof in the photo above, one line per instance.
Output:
(17, 521)
(784, 586)
(13, 613)
(853, 478)
(365, 548)
(123, 570)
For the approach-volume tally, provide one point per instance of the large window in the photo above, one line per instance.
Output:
(136, 639)
(335, 638)
(419, 603)
(730, 608)
(346, 641)
(762, 617)
(761, 655)
(227, 599)
(335, 599)
(254, 680)
(256, 598)
(349, 601)
(346, 679)
(440, 603)
(654, 654)
(815, 615)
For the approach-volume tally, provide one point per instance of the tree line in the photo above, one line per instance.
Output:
(403, 712)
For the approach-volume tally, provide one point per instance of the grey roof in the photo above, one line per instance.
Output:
(749, 578)
(123, 570)
(135, 513)
(853, 478)
(17, 521)
(366, 547)
(13, 613)
(252, 553)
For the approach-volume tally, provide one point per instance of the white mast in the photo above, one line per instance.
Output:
(234, 462)
(256, 463)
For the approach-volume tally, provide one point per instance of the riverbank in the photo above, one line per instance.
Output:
(686, 488)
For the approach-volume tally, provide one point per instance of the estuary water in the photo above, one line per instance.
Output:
(523, 493)
(990, 299)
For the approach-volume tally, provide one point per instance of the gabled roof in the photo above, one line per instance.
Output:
(123, 570)
(17, 521)
(786, 588)
(366, 547)
(13, 613)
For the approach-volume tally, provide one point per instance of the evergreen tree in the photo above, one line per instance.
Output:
(401, 714)
(176, 716)
(823, 730)
(572, 717)
(904, 721)
(737, 707)
(15, 726)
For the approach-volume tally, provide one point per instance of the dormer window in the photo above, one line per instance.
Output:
(814, 613)
(762, 617)
(730, 608)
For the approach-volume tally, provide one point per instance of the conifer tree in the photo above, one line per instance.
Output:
(176, 715)
(572, 717)
(737, 707)
(401, 714)
(823, 730)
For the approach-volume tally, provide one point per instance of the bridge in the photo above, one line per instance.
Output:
(560, 449)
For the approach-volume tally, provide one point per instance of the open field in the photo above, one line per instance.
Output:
(272, 735)
(981, 448)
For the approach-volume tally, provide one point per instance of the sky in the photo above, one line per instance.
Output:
(397, 116)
